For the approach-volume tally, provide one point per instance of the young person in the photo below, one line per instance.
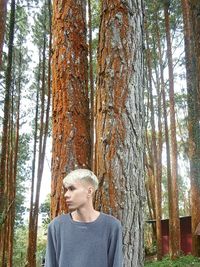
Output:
(84, 237)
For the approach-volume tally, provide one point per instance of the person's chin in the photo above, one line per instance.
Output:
(71, 207)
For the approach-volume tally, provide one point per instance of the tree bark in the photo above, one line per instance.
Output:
(5, 133)
(92, 100)
(191, 20)
(71, 124)
(119, 124)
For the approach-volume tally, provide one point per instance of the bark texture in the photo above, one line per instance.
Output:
(71, 124)
(191, 19)
(119, 121)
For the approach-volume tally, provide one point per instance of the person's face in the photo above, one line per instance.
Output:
(77, 194)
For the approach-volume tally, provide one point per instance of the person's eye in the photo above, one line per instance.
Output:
(63, 189)
(71, 188)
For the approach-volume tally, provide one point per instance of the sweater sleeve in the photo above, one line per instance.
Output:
(115, 257)
(50, 259)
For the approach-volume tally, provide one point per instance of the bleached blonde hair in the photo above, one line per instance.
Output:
(81, 174)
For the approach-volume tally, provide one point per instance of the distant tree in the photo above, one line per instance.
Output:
(43, 92)
(14, 161)
(174, 223)
(155, 151)
(3, 12)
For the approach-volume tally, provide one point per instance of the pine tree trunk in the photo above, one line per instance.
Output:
(155, 157)
(174, 223)
(30, 247)
(91, 75)
(33, 225)
(3, 12)
(159, 180)
(5, 133)
(15, 159)
(13, 169)
(192, 52)
(119, 124)
(71, 124)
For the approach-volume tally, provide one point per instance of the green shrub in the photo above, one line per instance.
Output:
(185, 261)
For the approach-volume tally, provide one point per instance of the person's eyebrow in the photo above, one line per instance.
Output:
(68, 186)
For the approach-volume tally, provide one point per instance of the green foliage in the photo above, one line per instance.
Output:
(41, 246)
(41, 26)
(20, 246)
(23, 175)
(95, 17)
(95, 10)
(45, 211)
(185, 261)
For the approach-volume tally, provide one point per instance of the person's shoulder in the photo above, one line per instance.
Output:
(60, 219)
(111, 220)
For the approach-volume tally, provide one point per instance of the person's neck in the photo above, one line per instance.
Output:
(85, 215)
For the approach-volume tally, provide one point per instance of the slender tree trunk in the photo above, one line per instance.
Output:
(119, 127)
(33, 225)
(163, 100)
(15, 159)
(71, 125)
(156, 160)
(5, 133)
(192, 52)
(10, 187)
(31, 215)
(159, 180)
(91, 86)
(13, 168)
(174, 223)
(3, 12)
(150, 174)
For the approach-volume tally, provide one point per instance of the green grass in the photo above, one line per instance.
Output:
(186, 261)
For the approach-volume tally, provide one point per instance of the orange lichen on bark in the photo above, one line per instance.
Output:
(71, 131)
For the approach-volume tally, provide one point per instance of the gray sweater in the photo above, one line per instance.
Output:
(79, 244)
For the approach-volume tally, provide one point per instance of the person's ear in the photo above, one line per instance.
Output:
(90, 191)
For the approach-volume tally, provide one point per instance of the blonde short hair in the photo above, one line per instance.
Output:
(81, 174)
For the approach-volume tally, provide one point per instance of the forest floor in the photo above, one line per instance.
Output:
(184, 261)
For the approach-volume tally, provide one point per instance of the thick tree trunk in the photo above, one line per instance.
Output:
(174, 223)
(3, 12)
(119, 124)
(71, 124)
(191, 19)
